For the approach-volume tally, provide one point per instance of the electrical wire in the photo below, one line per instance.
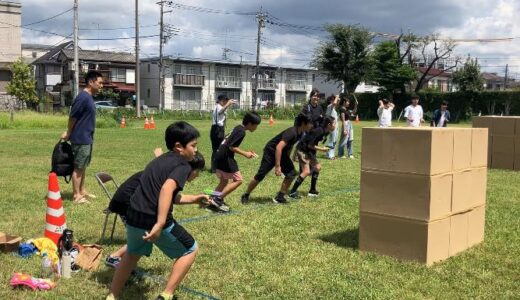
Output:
(49, 18)
(207, 10)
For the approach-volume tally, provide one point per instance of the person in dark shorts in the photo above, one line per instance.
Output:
(225, 164)
(121, 199)
(306, 153)
(149, 219)
(277, 155)
(218, 125)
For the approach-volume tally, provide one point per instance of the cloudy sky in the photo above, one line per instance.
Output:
(209, 26)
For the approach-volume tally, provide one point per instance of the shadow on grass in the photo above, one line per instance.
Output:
(346, 239)
(261, 200)
(135, 285)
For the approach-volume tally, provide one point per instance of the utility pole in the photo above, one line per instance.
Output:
(161, 72)
(137, 76)
(505, 77)
(260, 17)
(75, 87)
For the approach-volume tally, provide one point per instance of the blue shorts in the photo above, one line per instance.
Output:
(174, 241)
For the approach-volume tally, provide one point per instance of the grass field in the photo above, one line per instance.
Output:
(305, 250)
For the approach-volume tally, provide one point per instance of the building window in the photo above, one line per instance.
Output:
(186, 99)
(194, 69)
(177, 69)
(118, 75)
(148, 92)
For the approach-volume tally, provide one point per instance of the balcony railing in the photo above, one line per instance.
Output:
(267, 84)
(229, 81)
(188, 80)
(296, 85)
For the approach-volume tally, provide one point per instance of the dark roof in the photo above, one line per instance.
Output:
(51, 56)
(102, 56)
(435, 72)
(36, 46)
(492, 76)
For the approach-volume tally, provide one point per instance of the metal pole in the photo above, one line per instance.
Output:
(75, 87)
(505, 77)
(161, 72)
(137, 76)
(260, 18)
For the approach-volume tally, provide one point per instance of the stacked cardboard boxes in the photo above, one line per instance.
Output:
(423, 191)
(504, 140)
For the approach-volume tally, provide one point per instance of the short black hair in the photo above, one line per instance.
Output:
(326, 121)
(415, 96)
(385, 101)
(198, 162)
(92, 75)
(444, 102)
(302, 119)
(314, 92)
(222, 97)
(180, 132)
(251, 118)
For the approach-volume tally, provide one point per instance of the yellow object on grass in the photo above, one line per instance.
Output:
(46, 245)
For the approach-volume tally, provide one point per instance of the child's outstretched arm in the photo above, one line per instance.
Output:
(246, 154)
(192, 199)
(165, 201)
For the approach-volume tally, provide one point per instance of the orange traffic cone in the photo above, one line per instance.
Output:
(152, 123)
(271, 121)
(123, 122)
(357, 118)
(55, 217)
(146, 124)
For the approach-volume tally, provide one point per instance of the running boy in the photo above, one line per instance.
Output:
(277, 154)
(149, 216)
(121, 199)
(225, 164)
(306, 152)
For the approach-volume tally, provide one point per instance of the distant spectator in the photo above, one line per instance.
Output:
(384, 113)
(414, 113)
(313, 109)
(218, 124)
(441, 116)
(332, 138)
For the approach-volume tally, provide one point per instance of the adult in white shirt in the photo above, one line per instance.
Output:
(218, 123)
(385, 113)
(414, 113)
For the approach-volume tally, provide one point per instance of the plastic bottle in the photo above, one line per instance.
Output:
(65, 264)
(46, 266)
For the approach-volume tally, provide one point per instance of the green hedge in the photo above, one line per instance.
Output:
(462, 105)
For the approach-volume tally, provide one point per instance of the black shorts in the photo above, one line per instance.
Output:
(268, 162)
(225, 162)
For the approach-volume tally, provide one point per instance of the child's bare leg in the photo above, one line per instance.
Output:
(179, 270)
(286, 183)
(221, 185)
(231, 187)
(252, 185)
(119, 252)
(123, 270)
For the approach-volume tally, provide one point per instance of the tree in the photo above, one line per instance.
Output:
(22, 84)
(469, 78)
(345, 55)
(442, 50)
(388, 69)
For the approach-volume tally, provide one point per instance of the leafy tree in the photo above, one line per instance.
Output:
(345, 55)
(469, 78)
(388, 69)
(22, 84)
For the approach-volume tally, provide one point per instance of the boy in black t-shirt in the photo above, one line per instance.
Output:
(277, 154)
(121, 200)
(149, 216)
(225, 164)
(306, 152)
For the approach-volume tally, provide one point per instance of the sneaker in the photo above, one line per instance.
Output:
(280, 200)
(244, 199)
(313, 193)
(160, 297)
(112, 261)
(217, 202)
(351, 157)
(343, 157)
(294, 196)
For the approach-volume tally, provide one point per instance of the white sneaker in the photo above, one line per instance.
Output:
(351, 157)
(343, 157)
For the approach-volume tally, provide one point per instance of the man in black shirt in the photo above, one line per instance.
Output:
(277, 154)
(225, 164)
(306, 152)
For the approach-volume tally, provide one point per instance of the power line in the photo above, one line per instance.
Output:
(49, 18)
(28, 28)
(117, 28)
(119, 38)
(208, 10)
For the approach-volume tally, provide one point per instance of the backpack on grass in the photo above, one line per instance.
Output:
(63, 160)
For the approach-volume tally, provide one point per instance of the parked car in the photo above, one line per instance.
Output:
(105, 105)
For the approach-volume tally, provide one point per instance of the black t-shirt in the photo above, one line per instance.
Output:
(310, 139)
(121, 199)
(234, 139)
(315, 113)
(144, 204)
(290, 136)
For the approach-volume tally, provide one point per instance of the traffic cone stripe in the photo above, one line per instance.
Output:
(55, 229)
(55, 212)
(54, 195)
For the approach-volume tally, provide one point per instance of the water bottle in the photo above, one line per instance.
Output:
(65, 264)
(46, 266)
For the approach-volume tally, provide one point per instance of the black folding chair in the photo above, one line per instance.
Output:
(103, 179)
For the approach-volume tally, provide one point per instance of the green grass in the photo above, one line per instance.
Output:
(305, 250)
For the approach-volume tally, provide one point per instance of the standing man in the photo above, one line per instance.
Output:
(313, 109)
(414, 113)
(80, 132)
(384, 112)
(441, 116)
(218, 123)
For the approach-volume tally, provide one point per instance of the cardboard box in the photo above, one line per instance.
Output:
(517, 151)
(425, 242)
(406, 195)
(517, 127)
(476, 225)
(462, 144)
(9, 243)
(517, 162)
(469, 189)
(479, 147)
(483, 122)
(502, 161)
(424, 151)
(458, 233)
(478, 187)
(504, 126)
(504, 144)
